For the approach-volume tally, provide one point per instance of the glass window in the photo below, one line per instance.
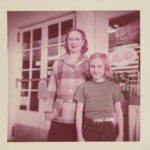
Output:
(34, 84)
(65, 25)
(35, 74)
(35, 57)
(24, 93)
(50, 63)
(24, 84)
(36, 61)
(53, 34)
(37, 38)
(26, 60)
(25, 74)
(34, 102)
(23, 107)
(52, 51)
(26, 40)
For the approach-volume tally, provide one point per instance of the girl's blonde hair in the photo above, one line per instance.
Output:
(104, 58)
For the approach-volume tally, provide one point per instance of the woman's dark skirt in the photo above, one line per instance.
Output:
(62, 132)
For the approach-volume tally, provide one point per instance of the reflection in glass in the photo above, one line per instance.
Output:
(36, 38)
(50, 63)
(26, 40)
(25, 74)
(34, 84)
(36, 58)
(53, 34)
(34, 102)
(24, 84)
(53, 51)
(36, 74)
(26, 60)
(49, 71)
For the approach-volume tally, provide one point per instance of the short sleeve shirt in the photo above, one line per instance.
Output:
(98, 98)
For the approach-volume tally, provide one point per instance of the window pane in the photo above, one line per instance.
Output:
(23, 107)
(26, 40)
(34, 102)
(36, 74)
(24, 93)
(26, 60)
(24, 85)
(37, 38)
(50, 63)
(36, 63)
(53, 51)
(25, 74)
(49, 71)
(34, 84)
(53, 34)
(65, 25)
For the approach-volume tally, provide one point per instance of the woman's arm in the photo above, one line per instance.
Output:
(79, 120)
(119, 114)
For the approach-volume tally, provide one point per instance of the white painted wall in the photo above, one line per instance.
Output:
(13, 72)
(85, 20)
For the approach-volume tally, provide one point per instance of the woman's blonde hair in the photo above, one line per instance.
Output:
(104, 58)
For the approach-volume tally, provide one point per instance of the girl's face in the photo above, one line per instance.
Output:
(75, 42)
(97, 69)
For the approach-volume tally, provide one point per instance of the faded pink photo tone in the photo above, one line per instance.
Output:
(37, 39)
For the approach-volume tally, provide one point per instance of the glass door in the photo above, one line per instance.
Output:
(40, 45)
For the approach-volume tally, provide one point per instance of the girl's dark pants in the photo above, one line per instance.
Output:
(98, 131)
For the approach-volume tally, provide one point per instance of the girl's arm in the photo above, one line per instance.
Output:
(119, 114)
(79, 118)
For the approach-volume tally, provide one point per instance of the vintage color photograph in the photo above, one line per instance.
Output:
(73, 76)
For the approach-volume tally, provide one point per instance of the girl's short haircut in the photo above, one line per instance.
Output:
(104, 58)
(84, 47)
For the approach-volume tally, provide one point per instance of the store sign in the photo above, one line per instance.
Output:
(128, 32)
(122, 57)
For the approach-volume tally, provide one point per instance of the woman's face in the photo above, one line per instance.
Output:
(97, 69)
(75, 42)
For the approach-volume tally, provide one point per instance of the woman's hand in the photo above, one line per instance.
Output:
(47, 116)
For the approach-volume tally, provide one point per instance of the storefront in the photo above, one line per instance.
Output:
(36, 39)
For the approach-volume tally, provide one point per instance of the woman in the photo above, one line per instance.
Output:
(69, 71)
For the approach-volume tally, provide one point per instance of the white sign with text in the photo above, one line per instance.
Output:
(122, 56)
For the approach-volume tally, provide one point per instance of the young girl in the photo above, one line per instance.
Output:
(69, 71)
(97, 98)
